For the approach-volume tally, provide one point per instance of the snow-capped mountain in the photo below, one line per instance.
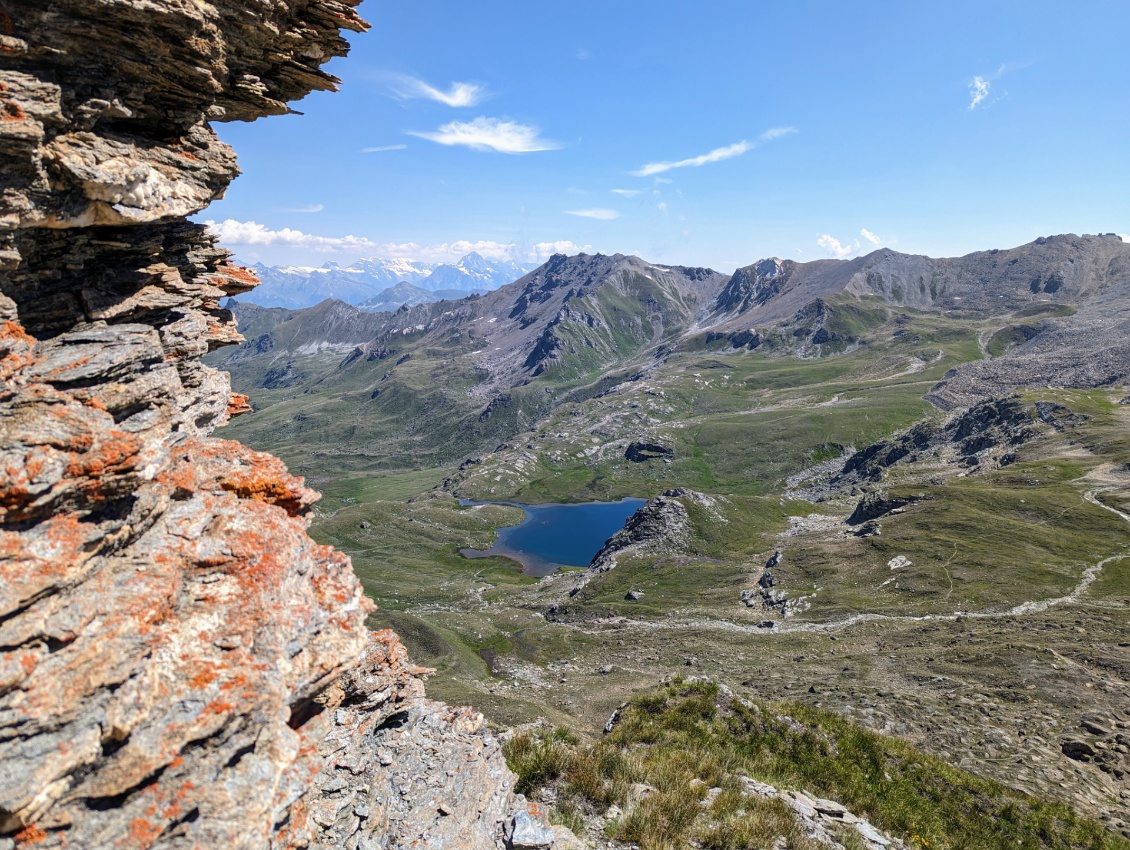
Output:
(295, 287)
(474, 273)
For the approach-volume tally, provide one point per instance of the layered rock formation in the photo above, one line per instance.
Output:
(172, 643)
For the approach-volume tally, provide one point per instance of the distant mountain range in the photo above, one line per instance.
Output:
(376, 285)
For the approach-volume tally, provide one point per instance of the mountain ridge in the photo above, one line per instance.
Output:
(596, 321)
(297, 287)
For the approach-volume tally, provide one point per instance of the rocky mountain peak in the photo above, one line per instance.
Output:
(752, 286)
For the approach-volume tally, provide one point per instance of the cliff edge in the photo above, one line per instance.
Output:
(180, 665)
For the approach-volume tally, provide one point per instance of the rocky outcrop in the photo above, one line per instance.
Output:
(661, 524)
(752, 286)
(987, 434)
(640, 451)
(879, 504)
(403, 771)
(172, 643)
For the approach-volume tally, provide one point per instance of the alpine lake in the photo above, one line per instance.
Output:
(556, 535)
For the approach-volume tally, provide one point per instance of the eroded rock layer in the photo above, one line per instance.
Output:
(172, 643)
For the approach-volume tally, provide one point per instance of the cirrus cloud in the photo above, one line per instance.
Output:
(598, 214)
(458, 95)
(716, 155)
(490, 134)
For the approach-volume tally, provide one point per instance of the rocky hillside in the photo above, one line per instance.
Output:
(180, 664)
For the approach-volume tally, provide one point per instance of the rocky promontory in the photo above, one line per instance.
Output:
(180, 664)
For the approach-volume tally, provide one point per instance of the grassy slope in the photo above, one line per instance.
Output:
(686, 737)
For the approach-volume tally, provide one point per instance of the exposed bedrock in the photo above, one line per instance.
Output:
(180, 664)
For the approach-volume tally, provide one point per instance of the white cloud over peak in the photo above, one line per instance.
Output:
(871, 237)
(541, 251)
(627, 193)
(383, 148)
(716, 155)
(460, 94)
(490, 134)
(836, 248)
(599, 214)
(978, 91)
(252, 234)
(232, 232)
(1125, 237)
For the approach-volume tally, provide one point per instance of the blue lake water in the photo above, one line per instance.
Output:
(554, 535)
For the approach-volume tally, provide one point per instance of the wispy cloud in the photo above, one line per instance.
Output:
(232, 232)
(599, 214)
(836, 248)
(459, 94)
(716, 155)
(490, 134)
(583, 54)
(776, 133)
(311, 208)
(978, 91)
(871, 237)
(383, 148)
(627, 193)
(981, 86)
(253, 234)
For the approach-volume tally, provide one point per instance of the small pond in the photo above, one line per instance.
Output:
(555, 535)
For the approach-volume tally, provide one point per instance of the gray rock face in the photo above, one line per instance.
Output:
(173, 643)
(401, 771)
(525, 832)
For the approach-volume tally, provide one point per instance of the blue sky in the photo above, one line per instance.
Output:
(700, 134)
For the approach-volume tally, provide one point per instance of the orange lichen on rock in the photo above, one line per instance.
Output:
(16, 349)
(116, 453)
(235, 280)
(10, 110)
(142, 833)
(30, 834)
(239, 404)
